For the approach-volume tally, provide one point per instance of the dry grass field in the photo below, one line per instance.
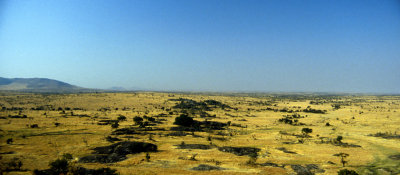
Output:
(230, 134)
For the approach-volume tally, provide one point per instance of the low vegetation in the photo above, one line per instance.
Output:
(179, 133)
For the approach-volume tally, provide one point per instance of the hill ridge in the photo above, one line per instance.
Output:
(38, 85)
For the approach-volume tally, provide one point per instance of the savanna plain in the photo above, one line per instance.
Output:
(198, 133)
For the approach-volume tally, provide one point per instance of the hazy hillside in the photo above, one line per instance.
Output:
(37, 85)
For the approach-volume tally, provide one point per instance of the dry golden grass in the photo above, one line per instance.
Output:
(362, 116)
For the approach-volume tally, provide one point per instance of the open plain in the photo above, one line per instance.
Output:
(199, 133)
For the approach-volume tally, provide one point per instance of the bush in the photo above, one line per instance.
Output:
(336, 106)
(121, 118)
(34, 126)
(204, 167)
(147, 157)
(292, 119)
(144, 124)
(317, 111)
(117, 152)
(138, 120)
(13, 165)
(151, 119)
(67, 156)
(115, 125)
(339, 139)
(347, 172)
(252, 159)
(103, 171)
(59, 166)
(100, 171)
(184, 120)
(306, 131)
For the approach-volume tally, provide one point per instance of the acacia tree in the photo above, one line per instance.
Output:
(306, 131)
(342, 157)
(339, 139)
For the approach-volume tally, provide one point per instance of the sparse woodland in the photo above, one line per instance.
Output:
(178, 133)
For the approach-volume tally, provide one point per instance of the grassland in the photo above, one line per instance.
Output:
(44, 127)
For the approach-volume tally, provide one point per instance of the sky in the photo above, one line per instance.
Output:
(205, 45)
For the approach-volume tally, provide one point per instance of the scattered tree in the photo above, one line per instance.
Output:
(184, 120)
(306, 131)
(252, 159)
(209, 138)
(342, 157)
(339, 139)
(151, 137)
(34, 126)
(121, 118)
(9, 141)
(151, 119)
(147, 157)
(115, 125)
(138, 120)
(144, 124)
(193, 157)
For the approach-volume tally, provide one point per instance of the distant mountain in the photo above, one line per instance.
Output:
(38, 85)
(117, 88)
(123, 89)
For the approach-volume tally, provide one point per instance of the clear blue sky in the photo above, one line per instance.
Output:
(205, 45)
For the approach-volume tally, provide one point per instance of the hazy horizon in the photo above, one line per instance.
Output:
(220, 46)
